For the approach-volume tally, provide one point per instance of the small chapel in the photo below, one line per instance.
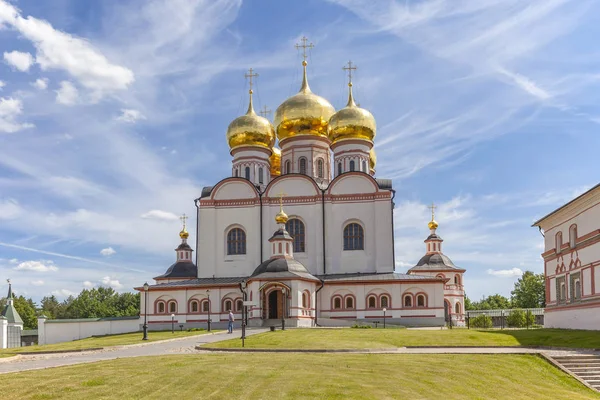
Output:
(302, 232)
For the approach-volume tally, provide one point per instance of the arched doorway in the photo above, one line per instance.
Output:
(274, 304)
(447, 310)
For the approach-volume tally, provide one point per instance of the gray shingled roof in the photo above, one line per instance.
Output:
(282, 268)
(199, 282)
(388, 276)
(435, 261)
(181, 269)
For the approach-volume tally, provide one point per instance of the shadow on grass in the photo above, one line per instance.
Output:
(572, 338)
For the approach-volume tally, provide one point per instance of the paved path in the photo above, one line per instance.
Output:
(178, 346)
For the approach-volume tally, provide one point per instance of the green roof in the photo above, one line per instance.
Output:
(12, 315)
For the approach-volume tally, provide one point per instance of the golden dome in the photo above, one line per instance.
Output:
(372, 159)
(351, 122)
(432, 224)
(250, 130)
(275, 161)
(304, 113)
(281, 217)
(184, 234)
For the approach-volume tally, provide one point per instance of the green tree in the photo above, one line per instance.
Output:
(51, 308)
(529, 291)
(493, 302)
(468, 303)
(26, 309)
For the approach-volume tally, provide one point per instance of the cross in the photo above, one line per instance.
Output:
(432, 207)
(250, 76)
(304, 46)
(281, 194)
(183, 218)
(349, 68)
(265, 111)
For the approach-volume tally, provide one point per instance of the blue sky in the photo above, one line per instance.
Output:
(113, 117)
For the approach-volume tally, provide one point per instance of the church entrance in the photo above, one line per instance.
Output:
(275, 304)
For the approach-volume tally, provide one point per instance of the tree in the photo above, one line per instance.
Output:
(529, 291)
(493, 302)
(26, 309)
(468, 303)
(51, 308)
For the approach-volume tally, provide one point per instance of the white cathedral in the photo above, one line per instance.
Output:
(302, 233)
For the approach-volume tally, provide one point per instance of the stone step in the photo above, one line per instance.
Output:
(577, 359)
(581, 364)
(588, 375)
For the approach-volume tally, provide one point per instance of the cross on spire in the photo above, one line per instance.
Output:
(349, 68)
(265, 111)
(281, 194)
(304, 46)
(183, 219)
(432, 207)
(250, 76)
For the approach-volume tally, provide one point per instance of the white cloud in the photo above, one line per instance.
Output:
(113, 283)
(159, 214)
(88, 284)
(9, 209)
(505, 273)
(40, 83)
(13, 261)
(60, 50)
(67, 94)
(10, 109)
(37, 266)
(2, 84)
(130, 115)
(19, 60)
(64, 293)
(37, 283)
(109, 251)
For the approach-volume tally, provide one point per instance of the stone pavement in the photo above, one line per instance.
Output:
(177, 346)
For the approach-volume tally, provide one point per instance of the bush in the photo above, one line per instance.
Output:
(357, 326)
(519, 319)
(481, 321)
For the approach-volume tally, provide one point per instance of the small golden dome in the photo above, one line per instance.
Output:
(351, 122)
(372, 159)
(184, 234)
(304, 113)
(275, 161)
(250, 130)
(432, 224)
(281, 217)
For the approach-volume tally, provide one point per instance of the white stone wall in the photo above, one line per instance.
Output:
(58, 331)
(3, 333)
(583, 318)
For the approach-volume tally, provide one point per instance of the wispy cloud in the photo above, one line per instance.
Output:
(37, 266)
(19, 60)
(505, 273)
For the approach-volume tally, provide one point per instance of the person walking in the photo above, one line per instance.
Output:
(230, 325)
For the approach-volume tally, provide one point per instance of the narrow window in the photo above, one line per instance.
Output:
(304, 300)
(238, 305)
(351, 165)
(161, 307)
(247, 173)
(288, 167)
(172, 307)
(558, 241)
(228, 305)
(236, 241)
(260, 175)
(280, 248)
(457, 308)
(295, 228)
(303, 166)
(337, 303)
(577, 289)
(354, 237)
(572, 235)
(384, 302)
(456, 279)
(364, 166)
(287, 248)
(339, 168)
(407, 301)
(235, 172)
(349, 302)
(205, 306)
(372, 302)
(320, 173)
(420, 301)
(194, 306)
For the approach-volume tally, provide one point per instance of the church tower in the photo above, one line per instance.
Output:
(251, 139)
(184, 268)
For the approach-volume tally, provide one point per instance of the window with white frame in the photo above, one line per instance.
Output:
(385, 301)
(320, 168)
(354, 237)
(236, 241)
(420, 300)
(337, 303)
(302, 165)
(371, 302)
(558, 241)
(350, 302)
(572, 236)
(407, 300)
(260, 175)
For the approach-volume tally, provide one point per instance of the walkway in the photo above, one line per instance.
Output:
(177, 346)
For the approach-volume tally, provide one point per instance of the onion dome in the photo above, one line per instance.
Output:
(372, 159)
(281, 217)
(184, 233)
(351, 122)
(433, 225)
(304, 113)
(275, 161)
(250, 130)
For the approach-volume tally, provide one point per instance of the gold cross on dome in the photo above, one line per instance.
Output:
(183, 218)
(304, 46)
(265, 111)
(432, 207)
(349, 68)
(250, 76)
(281, 194)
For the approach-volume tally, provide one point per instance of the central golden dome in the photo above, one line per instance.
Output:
(250, 130)
(275, 161)
(351, 122)
(304, 113)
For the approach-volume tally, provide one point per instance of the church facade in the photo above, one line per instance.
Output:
(302, 232)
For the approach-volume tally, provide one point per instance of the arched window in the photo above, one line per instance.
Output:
(205, 305)
(420, 300)
(456, 280)
(354, 237)
(558, 241)
(364, 166)
(350, 302)
(339, 168)
(337, 303)
(239, 305)
(161, 307)
(385, 301)
(247, 173)
(577, 289)
(260, 175)
(351, 165)
(235, 172)
(302, 166)
(305, 301)
(407, 301)
(563, 291)
(236, 241)
(572, 235)
(288, 167)
(320, 168)
(295, 228)
(172, 307)
(194, 306)
(457, 308)
(371, 302)
(228, 305)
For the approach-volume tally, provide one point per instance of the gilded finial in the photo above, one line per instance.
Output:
(350, 68)
(304, 46)
(250, 77)
(432, 224)
(184, 233)
(264, 112)
(281, 217)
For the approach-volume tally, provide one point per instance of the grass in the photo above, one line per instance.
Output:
(101, 341)
(390, 338)
(301, 376)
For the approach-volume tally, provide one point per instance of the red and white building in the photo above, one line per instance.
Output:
(572, 263)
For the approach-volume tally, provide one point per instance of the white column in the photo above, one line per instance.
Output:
(41, 330)
(3, 332)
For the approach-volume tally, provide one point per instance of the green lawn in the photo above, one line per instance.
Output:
(302, 376)
(102, 341)
(391, 338)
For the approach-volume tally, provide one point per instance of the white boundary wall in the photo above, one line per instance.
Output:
(583, 318)
(65, 330)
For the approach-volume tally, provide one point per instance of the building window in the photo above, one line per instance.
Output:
(407, 301)
(288, 167)
(457, 308)
(228, 305)
(247, 173)
(305, 301)
(371, 302)
(239, 304)
(172, 307)
(302, 166)
(572, 235)
(339, 168)
(456, 280)
(558, 241)
(351, 165)
(161, 308)
(320, 168)
(420, 301)
(577, 289)
(235, 172)
(354, 237)
(364, 166)
(236, 241)
(194, 306)
(350, 302)
(205, 306)
(385, 302)
(337, 303)
(295, 228)
(260, 175)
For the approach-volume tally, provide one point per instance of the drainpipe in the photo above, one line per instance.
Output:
(541, 232)
(260, 198)
(197, 203)
(393, 236)
(317, 300)
(323, 216)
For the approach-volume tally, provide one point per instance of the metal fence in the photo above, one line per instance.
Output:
(534, 317)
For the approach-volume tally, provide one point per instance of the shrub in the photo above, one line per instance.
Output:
(481, 321)
(519, 319)
(357, 326)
